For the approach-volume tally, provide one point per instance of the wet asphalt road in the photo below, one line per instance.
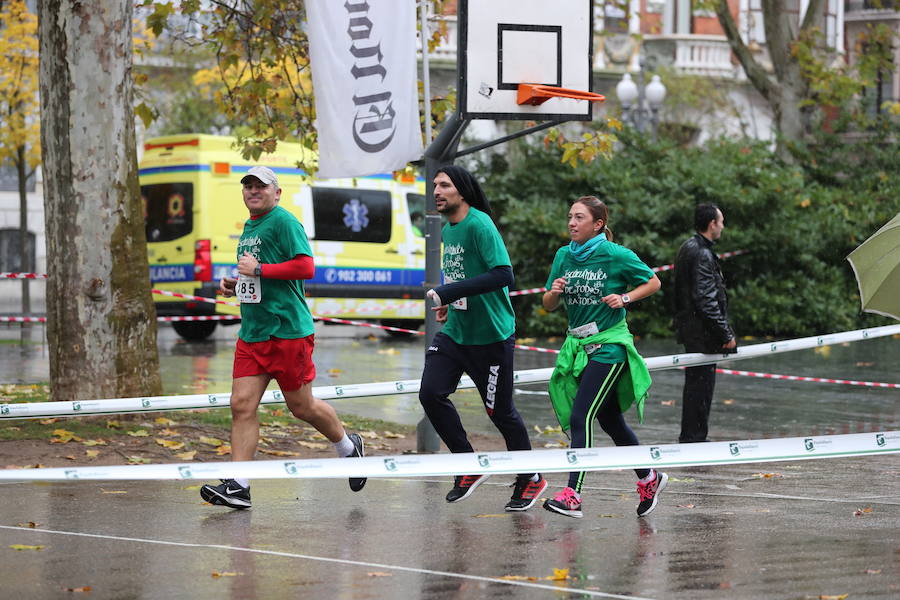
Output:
(808, 530)
(819, 529)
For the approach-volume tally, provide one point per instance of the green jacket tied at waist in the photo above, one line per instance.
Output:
(632, 387)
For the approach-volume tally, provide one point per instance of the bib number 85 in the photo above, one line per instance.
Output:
(248, 290)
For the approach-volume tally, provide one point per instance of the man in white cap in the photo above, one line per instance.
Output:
(276, 336)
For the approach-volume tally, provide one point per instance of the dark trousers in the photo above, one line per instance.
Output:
(696, 401)
(596, 400)
(491, 368)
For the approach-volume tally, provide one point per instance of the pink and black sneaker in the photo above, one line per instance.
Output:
(649, 492)
(567, 502)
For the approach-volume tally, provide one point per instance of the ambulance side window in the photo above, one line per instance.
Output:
(168, 210)
(352, 215)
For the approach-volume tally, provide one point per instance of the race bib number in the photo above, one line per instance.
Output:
(248, 290)
(460, 304)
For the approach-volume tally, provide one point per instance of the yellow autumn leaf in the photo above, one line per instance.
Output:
(30, 524)
(369, 435)
(334, 372)
(224, 574)
(518, 578)
(278, 452)
(164, 421)
(187, 455)
(24, 547)
(211, 441)
(138, 433)
(379, 574)
(313, 445)
(92, 453)
(394, 436)
(138, 460)
(828, 597)
(167, 432)
(559, 575)
(112, 491)
(97, 442)
(223, 450)
(113, 424)
(389, 351)
(170, 444)
(48, 421)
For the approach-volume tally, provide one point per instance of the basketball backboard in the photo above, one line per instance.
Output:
(503, 43)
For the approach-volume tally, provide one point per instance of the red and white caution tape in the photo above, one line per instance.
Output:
(809, 379)
(23, 319)
(23, 276)
(655, 270)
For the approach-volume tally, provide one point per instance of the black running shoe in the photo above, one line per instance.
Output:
(229, 493)
(357, 483)
(464, 485)
(649, 492)
(526, 493)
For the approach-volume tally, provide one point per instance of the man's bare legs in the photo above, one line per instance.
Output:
(317, 413)
(246, 393)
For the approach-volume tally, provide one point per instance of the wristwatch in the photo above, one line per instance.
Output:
(625, 299)
(258, 271)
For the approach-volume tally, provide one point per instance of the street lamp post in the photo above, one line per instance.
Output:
(641, 103)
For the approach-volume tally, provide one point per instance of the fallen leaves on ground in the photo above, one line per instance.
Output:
(224, 574)
(138, 433)
(25, 547)
(84, 588)
(187, 455)
(92, 454)
(685, 506)
(97, 442)
(767, 475)
(313, 445)
(223, 450)
(32, 525)
(872, 571)
(63, 436)
(728, 401)
(394, 436)
(211, 441)
(828, 597)
(138, 460)
(112, 491)
(862, 511)
(667, 402)
(278, 452)
(170, 444)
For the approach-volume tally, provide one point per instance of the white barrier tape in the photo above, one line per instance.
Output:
(495, 463)
(805, 379)
(655, 270)
(32, 410)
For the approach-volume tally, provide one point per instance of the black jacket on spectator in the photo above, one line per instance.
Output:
(701, 305)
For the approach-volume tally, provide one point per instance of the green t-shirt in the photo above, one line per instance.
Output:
(275, 237)
(472, 247)
(611, 269)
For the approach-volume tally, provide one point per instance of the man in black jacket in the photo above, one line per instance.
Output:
(701, 318)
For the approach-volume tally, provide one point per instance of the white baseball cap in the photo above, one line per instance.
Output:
(264, 174)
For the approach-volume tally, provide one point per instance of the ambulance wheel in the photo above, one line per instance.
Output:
(194, 331)
(402, 323)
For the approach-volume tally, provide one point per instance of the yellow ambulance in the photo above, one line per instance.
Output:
(369, 255)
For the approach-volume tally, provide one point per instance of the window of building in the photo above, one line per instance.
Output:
(11, 251)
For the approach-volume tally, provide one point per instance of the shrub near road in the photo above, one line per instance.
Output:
(799, 223)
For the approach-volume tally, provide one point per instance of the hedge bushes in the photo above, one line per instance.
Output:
(798, 222)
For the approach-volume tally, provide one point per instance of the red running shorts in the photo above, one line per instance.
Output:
(289, 362)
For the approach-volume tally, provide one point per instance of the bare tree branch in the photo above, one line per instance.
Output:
(755, 72)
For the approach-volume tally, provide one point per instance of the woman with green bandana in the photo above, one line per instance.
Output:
(598, 374)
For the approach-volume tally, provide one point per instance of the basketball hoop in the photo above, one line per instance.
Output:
(535, 94)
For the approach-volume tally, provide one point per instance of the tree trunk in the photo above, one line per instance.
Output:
(101, 323)
(24, 264)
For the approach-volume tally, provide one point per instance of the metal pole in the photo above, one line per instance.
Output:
(641, 109)
(426, 81)
(441, 151)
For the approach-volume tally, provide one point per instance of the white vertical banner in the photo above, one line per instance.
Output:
(363, 60)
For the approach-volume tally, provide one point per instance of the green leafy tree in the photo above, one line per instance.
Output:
(20, 109)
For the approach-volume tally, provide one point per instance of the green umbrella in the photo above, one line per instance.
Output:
(876, 264)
